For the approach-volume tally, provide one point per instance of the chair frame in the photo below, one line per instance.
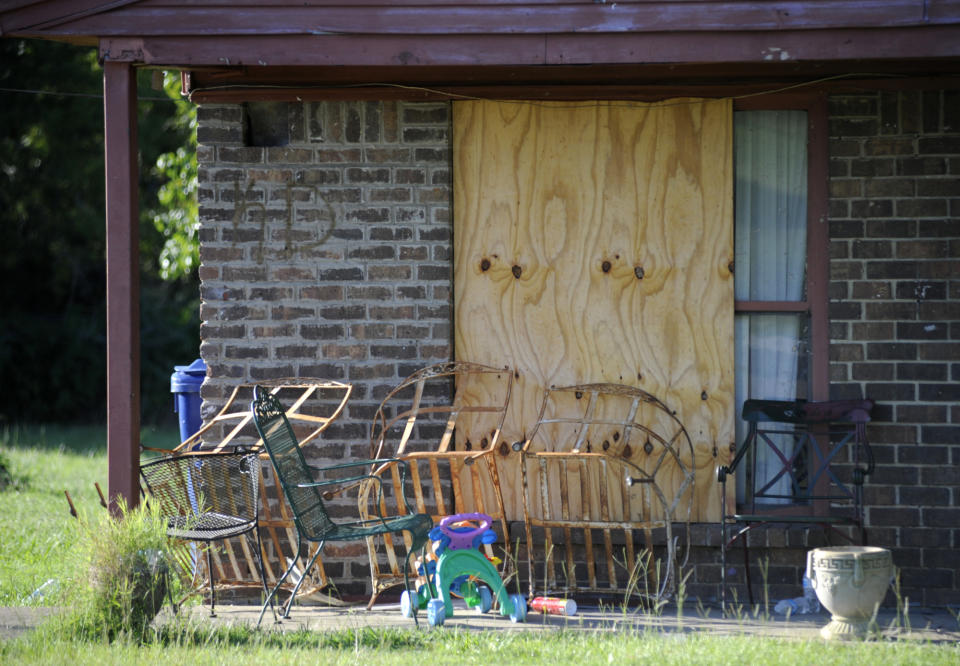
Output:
(602, 459)
(179, 483)
(280, 441)
(820, 431)
(476, 462)
(275, 521)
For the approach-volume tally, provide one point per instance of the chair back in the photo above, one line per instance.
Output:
(309, 512)
(819, 452)
(205, 495)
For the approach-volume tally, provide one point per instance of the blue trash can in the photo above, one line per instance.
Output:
(185, 385)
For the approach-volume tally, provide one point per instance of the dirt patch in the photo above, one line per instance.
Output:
(18, 620)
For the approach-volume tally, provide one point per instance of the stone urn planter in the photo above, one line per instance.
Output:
(850, 582)
(149, 584)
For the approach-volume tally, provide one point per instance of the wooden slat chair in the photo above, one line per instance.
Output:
(822, 460)
(208, 497)
(611, 461)
(303, 492)
(426, 421)
(313, 405)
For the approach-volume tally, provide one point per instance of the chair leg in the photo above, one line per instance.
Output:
(723, 567)
(746, 568)
(213, 599)
(406, 580)
(306, 570)
(279, 582)
(263, 575)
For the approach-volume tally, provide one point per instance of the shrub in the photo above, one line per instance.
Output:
(127, 568)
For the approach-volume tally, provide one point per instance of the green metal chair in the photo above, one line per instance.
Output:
(303, 493)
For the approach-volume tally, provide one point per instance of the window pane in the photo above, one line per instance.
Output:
(770, 201)
(773, 355)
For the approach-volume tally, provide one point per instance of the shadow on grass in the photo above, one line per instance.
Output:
(82, 439)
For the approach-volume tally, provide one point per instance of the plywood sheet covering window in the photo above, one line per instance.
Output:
(594, 243)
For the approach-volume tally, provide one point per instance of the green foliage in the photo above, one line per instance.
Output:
(37, 532)
(198, 644)
(177, 217)
(127, 565)
(7, 479)
(52, 270)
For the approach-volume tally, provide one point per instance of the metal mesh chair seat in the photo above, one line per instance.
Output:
(207, 526)
(207, 497)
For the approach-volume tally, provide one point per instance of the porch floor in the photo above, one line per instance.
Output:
(924, 624)
(934, 625)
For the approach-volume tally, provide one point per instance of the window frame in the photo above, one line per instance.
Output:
(816, 300)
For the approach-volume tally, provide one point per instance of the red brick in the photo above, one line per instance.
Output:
(897, 146)
(928, 249)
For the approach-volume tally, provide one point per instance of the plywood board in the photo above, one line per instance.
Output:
(594, 243)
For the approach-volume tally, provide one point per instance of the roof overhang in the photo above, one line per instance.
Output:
(643, 65)
(523, 43)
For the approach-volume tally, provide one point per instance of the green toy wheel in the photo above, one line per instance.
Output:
(468, 590)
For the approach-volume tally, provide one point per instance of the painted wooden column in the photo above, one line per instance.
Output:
(123, 281)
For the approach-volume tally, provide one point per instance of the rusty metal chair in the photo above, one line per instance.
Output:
(444, 423)
(612, 462)
(822, 459)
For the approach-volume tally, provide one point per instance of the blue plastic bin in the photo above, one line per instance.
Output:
(185, 385)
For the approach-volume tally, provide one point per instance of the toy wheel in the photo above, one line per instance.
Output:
(406, 604)
(519, 613)
(486, 599)
(436, 612)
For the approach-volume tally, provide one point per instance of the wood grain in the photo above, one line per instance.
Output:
(593, 243)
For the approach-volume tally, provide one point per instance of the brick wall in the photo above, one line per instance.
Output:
(895, 318)
(327, 255)
(326, 251)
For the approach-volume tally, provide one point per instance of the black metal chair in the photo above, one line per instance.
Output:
(822, 460)
(208, 497)
(303, 493)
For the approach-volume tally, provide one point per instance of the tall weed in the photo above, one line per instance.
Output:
(127, 568)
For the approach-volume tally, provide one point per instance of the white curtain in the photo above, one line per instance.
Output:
(770, 197)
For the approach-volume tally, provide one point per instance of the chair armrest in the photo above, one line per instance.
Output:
(377, 465)
(722, 471)
(860, 474)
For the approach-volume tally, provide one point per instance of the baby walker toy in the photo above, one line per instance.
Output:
(458, 569)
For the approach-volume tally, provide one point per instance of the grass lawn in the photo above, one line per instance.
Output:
(36, 528)
(440, 646)
(38, 535)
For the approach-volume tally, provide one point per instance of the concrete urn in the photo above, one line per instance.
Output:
(850, 582)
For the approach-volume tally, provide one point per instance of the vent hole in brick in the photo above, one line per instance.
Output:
(267, 124)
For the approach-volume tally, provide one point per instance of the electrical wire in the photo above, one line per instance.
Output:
(466, 97)
(57, 93)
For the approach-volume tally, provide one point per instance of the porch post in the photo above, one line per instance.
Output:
(123, 282)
